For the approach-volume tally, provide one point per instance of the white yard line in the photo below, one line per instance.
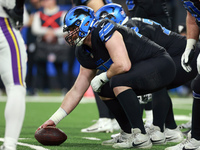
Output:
(28, 145)
(92, 138)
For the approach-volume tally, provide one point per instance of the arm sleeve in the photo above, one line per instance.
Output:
(20, 4)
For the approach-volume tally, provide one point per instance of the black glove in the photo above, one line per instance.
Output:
(16, 15)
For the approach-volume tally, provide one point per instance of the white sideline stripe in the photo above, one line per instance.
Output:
(28, 145)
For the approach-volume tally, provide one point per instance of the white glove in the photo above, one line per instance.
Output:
(188, 55)
(198, 63)
(184, 60)
(98, 81)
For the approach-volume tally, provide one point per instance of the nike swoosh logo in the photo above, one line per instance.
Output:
(170, 138)
(187, 148)
(157, 141)
(137, 145)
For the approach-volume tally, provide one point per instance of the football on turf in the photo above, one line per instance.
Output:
(50, 136)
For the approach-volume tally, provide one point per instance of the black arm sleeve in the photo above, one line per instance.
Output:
(20, 4)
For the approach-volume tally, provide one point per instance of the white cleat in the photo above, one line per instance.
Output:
(136, 140)
(187, 125)
(157, 137)
(114, 135)
(187, 144)
(102, 125)
(115, 124)
(121, 137)
(173, 135)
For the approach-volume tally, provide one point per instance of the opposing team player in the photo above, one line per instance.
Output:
(12, 69)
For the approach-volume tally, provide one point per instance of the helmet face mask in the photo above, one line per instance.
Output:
(72, 36)
(78, 22)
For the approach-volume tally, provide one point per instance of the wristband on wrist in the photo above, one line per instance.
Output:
(58, 115)
(191, 43)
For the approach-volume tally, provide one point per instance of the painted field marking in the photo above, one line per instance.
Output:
(92, 138)
(28, 145)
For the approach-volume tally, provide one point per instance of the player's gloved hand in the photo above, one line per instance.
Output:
(188, 55)
(198, 63)
(98, 81)
(16, 15)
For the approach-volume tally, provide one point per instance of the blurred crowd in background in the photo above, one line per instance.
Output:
(51, 62)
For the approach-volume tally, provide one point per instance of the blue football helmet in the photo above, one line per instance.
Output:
(112, 11)
(78, 23)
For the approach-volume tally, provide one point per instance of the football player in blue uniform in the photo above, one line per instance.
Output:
(193, 31)
(132, 65)
(106, 121)
(155, 10)
(175, 46)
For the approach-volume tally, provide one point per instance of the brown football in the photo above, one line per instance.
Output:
(50, 136)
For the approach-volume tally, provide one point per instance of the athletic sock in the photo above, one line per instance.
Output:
(119, 114)
(170, 122)
(14, 112)
(161, 103)
(149, 117)
(129, 101)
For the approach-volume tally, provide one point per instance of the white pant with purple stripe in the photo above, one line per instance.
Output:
(13, 59)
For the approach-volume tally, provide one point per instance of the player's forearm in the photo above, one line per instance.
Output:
(192, 27)
(116, 69)
(71, 100)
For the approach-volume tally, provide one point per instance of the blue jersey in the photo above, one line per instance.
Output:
(171, 41)
(139, 47)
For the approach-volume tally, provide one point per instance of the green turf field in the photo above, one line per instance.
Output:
(39, 109)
